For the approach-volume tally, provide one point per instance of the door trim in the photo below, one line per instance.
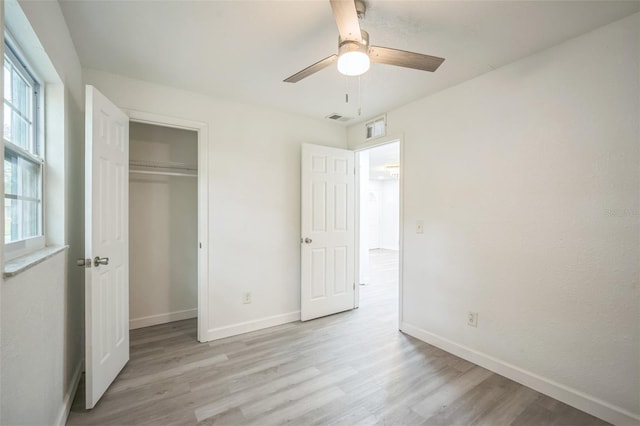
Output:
(203, 204)
(363, 147)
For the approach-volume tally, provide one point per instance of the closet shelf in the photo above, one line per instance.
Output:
(164, 168)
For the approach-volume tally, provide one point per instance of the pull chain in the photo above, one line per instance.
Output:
(346, 94)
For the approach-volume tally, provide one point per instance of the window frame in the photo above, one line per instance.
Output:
(375, 128)
(19, 61)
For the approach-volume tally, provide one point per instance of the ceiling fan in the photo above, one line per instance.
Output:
(354, 52)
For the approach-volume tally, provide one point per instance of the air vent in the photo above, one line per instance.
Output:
(337, 117)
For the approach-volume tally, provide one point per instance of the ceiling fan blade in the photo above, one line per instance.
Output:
(402, 58)
(312, 69)
(344, 11)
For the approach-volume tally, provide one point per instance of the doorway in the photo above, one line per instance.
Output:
(379, 225)
(163, 225)
(202, 219)
(107, 236)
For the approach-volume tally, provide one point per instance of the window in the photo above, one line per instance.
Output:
(23, 156)
(376, 128)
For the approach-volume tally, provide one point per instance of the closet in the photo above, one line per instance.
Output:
(163, 224)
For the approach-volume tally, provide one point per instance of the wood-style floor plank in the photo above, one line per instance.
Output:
(352, 368)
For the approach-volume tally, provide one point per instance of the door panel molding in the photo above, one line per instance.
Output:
(327, 231)
(106, 236)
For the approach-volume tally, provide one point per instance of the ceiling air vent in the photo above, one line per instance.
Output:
(337, 117)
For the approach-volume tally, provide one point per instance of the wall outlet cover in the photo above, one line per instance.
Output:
(472, 319)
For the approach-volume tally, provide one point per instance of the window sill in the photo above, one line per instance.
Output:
(20, 264)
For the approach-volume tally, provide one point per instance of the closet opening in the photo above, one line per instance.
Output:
(163, 227)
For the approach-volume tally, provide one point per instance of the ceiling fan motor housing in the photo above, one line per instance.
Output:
(362, 45)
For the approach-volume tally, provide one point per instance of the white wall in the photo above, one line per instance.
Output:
(163, 229)
(384, 233)
(43, 308)
(254, 197)
(33, 328)
(390, 213)
(47, 21)
(527, 181)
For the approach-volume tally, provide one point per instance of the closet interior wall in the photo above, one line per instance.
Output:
(163, 224)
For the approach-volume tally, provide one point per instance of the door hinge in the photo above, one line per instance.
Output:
(354, 286)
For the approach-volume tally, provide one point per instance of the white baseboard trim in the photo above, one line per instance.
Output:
(568, 395)
(248, 326)
(67, 400)
(162, 318)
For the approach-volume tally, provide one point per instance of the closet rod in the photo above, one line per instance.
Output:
(152, 172)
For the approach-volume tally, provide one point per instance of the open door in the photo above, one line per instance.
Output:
(328, 234)
(106, 243)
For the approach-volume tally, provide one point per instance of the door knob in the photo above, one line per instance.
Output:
(308, 240)
(97, 261)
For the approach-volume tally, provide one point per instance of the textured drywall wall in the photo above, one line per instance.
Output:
(40, 30)
(527, 181)
(254, 194)
(33, 364)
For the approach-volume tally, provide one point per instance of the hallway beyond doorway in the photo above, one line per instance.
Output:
(382, 286)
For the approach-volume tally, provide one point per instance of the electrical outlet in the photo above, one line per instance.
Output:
(419, 227)
(472, 319)
(246, 297)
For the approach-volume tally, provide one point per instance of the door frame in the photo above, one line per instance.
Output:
(363, 147)
(201, 130)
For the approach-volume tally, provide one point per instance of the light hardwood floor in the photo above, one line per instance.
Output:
(352, 368)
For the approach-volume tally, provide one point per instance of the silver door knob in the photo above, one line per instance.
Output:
(308, 240)
(97, 261)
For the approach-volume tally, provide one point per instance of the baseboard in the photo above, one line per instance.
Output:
(162, 318)
(570, 396)
(67, 400)
(248, 326)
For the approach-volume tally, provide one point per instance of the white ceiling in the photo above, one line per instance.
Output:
(242, 50)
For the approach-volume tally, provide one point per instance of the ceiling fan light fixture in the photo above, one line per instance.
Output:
(353, 55)
(353, 63)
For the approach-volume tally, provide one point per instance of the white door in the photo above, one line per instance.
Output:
(106, 243)
(328, 237)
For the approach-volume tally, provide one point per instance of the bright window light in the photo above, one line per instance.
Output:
(23, 159)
